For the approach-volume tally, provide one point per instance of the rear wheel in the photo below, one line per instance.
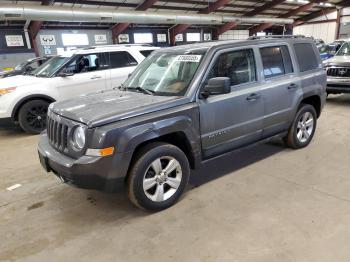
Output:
(303, 128)
(32, 116)
(158, 176)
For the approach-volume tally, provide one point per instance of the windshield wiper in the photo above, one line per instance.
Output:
(141, 89)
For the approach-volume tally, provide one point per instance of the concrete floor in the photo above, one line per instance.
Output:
(268, 203)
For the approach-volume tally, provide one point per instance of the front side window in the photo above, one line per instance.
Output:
(87, 63)
(121, 59)
(165, 73)
(239, 66)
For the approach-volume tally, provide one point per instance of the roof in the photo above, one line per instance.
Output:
(107, 48)
(205, 46)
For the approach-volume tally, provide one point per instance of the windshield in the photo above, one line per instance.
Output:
(165, 73)
(344, 50)
(21, 65)
(50, 67)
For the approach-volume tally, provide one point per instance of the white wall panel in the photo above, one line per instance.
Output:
(234, 35)
(325, 31)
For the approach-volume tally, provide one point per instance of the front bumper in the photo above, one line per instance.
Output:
(100, 173)
(338, 85)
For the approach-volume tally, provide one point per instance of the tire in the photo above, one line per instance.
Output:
(32, 116)
(158, 156)
(303, 127)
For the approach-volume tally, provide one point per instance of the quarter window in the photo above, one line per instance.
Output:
(306, 57)
(146, 53)
(239, 66)
(121, 59)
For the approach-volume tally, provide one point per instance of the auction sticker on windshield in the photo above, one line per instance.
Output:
(189, 58)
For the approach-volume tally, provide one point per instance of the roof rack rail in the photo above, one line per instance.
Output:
(115, 45)
(275, 36)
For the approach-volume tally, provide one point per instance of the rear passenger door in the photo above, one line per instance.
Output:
(230, 121)
(280, 89)
(122, 63)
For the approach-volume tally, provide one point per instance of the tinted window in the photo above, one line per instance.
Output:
(272, 61)
(239, 66)
(306, 57)
(121, 59)
(146, 53)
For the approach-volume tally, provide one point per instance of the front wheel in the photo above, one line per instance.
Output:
(158, 176)
(303, 128)
(32, 116)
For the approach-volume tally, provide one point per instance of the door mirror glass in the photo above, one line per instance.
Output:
(217, 86)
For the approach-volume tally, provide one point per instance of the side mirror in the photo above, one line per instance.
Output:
(217, 86)
(65, 73)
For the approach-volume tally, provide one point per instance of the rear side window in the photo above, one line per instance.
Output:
(146, 53)
(306, 57)
(276, 61)
(121, 59)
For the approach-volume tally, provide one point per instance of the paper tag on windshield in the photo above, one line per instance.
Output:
(189, 58)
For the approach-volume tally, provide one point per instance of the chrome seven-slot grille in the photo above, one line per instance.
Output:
(57, 132)
(338, 71)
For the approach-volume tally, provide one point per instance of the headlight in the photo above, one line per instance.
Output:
(4, 91)
(79, 137)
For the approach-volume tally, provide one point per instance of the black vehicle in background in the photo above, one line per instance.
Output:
(26, 66)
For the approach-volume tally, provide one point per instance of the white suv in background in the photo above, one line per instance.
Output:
(24, 99)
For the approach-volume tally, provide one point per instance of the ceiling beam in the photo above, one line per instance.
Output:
(117, 29)
(313, 15)
(293, 12)
(325, 11)
(228, 26)
(212, 7)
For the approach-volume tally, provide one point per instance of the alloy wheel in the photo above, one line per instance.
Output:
(162, 178)
(305, 127)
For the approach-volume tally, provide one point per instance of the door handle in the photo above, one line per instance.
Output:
(292, 86)
(95, 77)
(253, 97)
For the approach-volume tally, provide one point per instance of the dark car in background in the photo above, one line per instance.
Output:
(26, 66)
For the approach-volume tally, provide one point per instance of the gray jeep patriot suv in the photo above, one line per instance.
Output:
(182, 106)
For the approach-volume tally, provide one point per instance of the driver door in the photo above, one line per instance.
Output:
(229, 121)
(89, 75)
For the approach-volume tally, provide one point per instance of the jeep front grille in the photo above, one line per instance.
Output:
(57, 132)
(338, 72)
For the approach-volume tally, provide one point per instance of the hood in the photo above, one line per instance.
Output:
(110, 106)
(338, 60)
(10, 73)
(18, 81)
